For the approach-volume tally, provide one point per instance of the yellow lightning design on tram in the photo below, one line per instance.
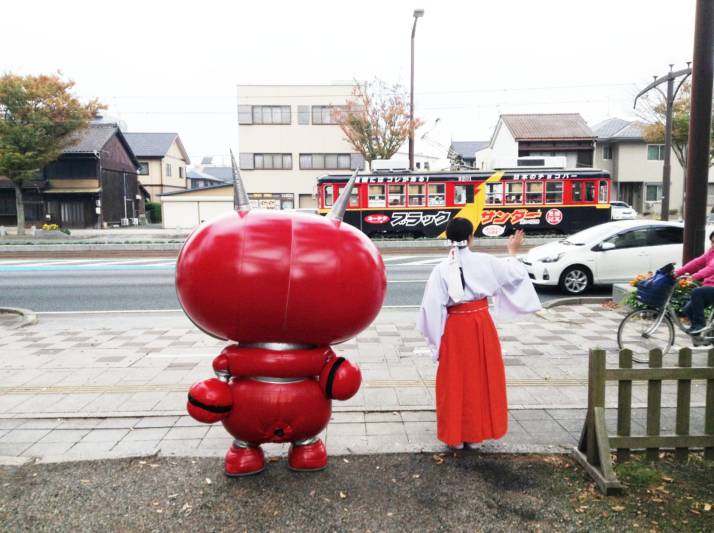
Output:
(473, 210)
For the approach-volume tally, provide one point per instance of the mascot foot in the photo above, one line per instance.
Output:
(244, 461)
(307, 457)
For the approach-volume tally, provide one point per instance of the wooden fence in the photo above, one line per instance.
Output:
(593, 451)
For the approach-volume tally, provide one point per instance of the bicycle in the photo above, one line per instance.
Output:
(645, 329)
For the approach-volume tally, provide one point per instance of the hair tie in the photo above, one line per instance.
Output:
(459, 244)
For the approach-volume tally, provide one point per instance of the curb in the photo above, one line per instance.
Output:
(576, 301)
(28, 317)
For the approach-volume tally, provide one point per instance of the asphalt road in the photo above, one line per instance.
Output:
(148, 283)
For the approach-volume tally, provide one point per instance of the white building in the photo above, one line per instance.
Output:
(288, 137)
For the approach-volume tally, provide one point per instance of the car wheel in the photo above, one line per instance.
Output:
(575, 280)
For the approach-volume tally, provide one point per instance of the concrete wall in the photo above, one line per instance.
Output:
(189, 212)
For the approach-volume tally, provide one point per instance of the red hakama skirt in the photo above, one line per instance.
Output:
(471, 404)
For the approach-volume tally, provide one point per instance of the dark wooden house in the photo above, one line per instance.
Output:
(93, 183)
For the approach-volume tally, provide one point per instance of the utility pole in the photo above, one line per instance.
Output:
(669, 101)
(699, 130)
(418, 13)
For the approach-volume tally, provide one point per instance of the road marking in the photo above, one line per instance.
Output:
(432, 261)
(135, 311)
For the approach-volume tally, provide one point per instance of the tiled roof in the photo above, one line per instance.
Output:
(91, 139)
(467, 149)
(557, 126)
(224, 174)
(619, 129)
(150, 144)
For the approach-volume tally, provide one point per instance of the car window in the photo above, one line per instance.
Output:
(661, 236)
(629, 239)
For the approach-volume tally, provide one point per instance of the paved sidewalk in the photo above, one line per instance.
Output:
(88, 386)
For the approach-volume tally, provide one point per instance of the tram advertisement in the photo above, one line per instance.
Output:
(494, 222)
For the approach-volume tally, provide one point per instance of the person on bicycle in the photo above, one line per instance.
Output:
(700, 269)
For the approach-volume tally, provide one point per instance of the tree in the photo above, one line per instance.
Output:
(376, 120)
(38, 117)
(654, 131)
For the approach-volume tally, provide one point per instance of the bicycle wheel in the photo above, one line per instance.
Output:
(635, 333)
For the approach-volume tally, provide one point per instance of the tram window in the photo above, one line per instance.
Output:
(437, 194)
(396, 196)
(494, 193)
(416, 195)
(328, 195)
(590, 191)
(354, 195)
(534, 192)
(514, 193)
(554, 192)
(376, 196)
(576, 191)
(460, 194)
(602, 197)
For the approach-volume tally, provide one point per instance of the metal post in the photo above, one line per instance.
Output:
(699, 130)
(417, 13)
(667, 166)
(669, 102)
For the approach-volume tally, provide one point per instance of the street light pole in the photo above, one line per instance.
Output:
(669, 101)
(417, 14)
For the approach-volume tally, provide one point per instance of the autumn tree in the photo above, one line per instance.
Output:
(376, 120)
(654, 131)
(38, 115)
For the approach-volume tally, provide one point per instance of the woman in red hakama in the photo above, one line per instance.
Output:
(471, 402)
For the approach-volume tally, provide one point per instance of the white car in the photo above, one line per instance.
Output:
(604, 254)
(622, 211)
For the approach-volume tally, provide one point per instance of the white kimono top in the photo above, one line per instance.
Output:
(505, 279)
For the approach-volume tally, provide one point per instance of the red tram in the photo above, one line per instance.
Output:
(421, 204)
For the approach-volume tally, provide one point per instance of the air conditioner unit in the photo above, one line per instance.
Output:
(124, 221)
(389, 165)
(135, 221)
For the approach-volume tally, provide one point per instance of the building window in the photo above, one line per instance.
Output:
(181, 173)
(554, 193)
(303, 114)
(655, 152)
(653, 193)
(7, 206)
(327, 114)
(272, 161)
(326, 161)
(271, 114)
(143, 168)
(607, 151)
(168, 170)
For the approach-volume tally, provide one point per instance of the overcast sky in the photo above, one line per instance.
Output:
(174, 66)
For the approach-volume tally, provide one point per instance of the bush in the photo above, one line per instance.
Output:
(153, 209)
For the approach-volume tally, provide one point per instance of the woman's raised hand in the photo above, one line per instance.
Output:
(515, 242)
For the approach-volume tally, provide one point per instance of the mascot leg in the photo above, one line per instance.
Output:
(243, 459)
(307, 455)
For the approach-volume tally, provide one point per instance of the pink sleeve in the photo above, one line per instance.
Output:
(704, 272)
(693, 266)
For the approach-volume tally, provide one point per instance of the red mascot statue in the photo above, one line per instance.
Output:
(283, 287)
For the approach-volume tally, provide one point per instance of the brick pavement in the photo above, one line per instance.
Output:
(109, 385)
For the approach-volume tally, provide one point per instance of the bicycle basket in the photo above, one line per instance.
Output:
(655, 290)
